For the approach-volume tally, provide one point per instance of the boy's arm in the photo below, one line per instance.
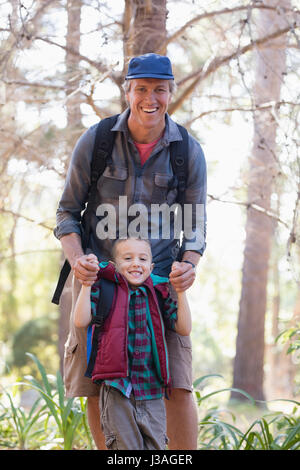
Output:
(183, 324)
(82, 310)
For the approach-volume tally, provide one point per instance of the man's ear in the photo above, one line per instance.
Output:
(151, 267)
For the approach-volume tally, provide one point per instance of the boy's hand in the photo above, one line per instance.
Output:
(92, 259)
(182, 276)
(86, 268)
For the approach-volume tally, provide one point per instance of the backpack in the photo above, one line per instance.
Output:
(102, 151)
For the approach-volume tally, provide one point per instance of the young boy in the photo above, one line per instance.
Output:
(132, 358)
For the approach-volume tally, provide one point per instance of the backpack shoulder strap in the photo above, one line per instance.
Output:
(102, 151)
(179, 161)
(107, 294)
(103, 147)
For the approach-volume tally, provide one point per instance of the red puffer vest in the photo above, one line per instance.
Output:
(112, 355)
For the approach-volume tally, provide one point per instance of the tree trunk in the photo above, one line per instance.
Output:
(149, 26)
(144, 30)
(270, 68)
(74, 128)
(73, 44)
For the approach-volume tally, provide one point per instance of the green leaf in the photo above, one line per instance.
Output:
(42, 372)
(201, 379)
(228, 390)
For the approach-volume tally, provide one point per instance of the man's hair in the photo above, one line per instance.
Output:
(172, 86)
(120, 240)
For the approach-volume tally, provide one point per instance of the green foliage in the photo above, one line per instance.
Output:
(25, 433)
(68, 414)
(54, 422)
(291, 336)
(34, 333)
(272, 431)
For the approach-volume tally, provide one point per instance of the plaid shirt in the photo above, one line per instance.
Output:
(142, 380)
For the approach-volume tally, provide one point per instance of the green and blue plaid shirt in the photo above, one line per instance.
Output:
(142, 379)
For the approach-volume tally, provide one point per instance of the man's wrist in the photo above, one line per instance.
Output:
(192, 257)
(72, 247)
(75, 257)
(189, 262)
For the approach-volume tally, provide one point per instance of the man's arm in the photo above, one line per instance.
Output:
(84, 270)
(193, 244)
(71, 204)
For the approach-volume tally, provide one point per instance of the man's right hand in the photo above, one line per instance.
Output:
(85, 269)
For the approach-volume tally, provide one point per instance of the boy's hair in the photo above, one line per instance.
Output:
(120, 240)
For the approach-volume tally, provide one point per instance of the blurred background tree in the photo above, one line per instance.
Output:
(62, 65)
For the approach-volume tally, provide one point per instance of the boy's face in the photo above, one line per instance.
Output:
(134, 261)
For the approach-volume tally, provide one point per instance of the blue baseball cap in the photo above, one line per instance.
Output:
(150, 66)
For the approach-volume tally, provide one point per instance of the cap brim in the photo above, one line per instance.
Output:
(150, 75)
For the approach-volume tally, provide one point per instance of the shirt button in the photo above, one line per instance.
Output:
(136, 352)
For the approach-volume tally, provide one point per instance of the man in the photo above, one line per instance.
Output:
(140, 169)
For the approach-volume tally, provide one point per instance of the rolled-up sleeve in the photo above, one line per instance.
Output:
(194, 234)
(76, 187)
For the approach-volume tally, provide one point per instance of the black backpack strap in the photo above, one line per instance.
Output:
(179, 151)
(179, 160)
(63, 275)
(107, 294)
(102, 150)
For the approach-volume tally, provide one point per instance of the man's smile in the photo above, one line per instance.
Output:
(150, 110)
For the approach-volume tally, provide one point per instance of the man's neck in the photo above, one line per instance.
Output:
(142, 135)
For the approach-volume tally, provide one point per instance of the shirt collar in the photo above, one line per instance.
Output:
(140, 290)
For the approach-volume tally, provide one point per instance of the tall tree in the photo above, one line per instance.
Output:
(270, 69)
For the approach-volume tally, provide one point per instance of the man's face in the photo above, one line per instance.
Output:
(134, 261)
(148, 100)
